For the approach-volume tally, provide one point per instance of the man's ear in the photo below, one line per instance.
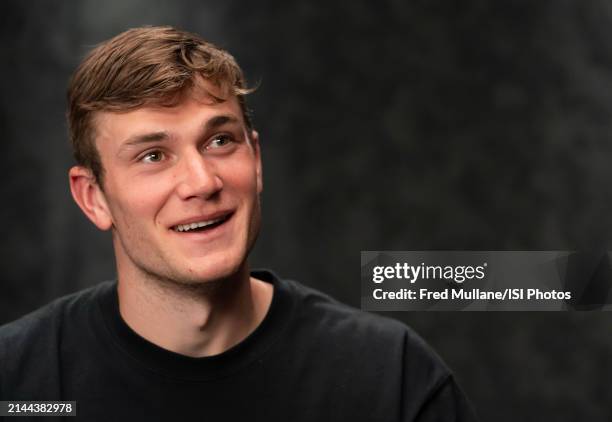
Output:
(257, 151)
(89, 197)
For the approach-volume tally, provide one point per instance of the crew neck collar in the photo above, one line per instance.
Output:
(171, 364)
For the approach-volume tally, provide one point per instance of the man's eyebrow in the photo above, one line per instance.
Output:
(145, 138)
(221, 120)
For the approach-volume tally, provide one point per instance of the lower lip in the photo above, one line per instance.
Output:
(205, 234)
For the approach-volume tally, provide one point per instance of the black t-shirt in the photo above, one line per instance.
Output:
(311, 359)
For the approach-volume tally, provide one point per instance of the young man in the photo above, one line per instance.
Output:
(167, 159)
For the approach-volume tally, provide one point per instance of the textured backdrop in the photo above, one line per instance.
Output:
(406, 125)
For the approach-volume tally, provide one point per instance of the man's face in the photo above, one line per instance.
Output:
(169, 169)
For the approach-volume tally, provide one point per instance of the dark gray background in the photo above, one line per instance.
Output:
(387, 125)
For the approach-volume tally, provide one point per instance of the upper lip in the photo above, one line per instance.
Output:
(203, 217)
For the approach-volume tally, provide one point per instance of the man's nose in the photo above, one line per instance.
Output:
(198, 177)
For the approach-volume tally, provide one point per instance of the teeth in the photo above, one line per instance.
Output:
(187, 227)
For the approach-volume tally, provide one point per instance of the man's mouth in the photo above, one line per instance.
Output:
(199, 226)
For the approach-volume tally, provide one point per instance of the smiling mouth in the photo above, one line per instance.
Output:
(200, 226)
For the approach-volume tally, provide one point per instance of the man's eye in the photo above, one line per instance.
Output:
(153, 157)
(219, 141)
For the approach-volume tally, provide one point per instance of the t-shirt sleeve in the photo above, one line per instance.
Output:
(429, 389)
(29, 358)
(447, 403)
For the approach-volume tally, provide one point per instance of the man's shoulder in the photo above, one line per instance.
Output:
(32, 344)
(46, 321)
(372, 348)
(349, 327)
(331, 312)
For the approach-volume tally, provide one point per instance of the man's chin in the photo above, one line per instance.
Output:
(207, 275)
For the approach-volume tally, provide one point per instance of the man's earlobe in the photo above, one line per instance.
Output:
(89, 197)
(257, 151)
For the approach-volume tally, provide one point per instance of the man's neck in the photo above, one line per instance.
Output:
(190, 321)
